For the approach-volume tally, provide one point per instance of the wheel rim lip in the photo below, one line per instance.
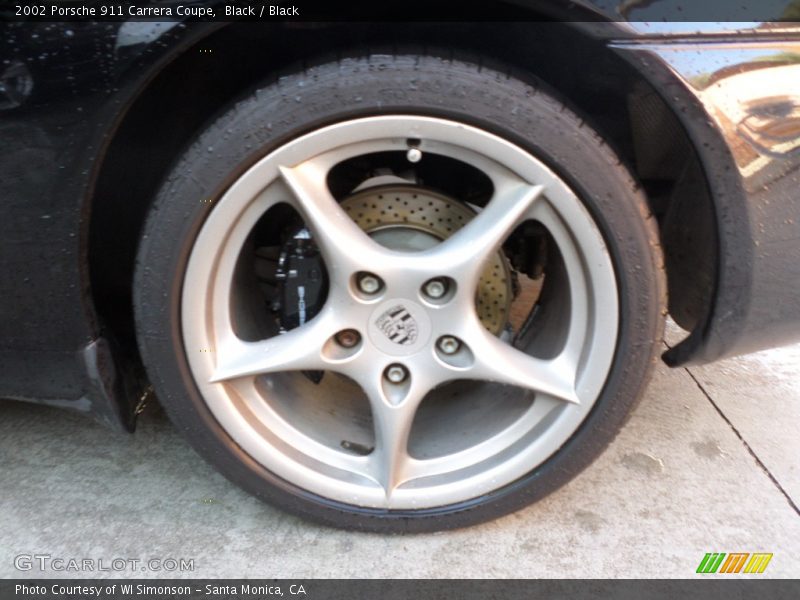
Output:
(233, 404)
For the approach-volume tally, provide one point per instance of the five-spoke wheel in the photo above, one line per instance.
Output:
(399, 314)
(415, 332)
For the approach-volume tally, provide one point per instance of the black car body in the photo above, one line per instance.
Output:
(92, 114)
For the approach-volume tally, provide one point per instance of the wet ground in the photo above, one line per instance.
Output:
(709, 462)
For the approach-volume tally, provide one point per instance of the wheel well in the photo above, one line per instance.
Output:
(615, 99)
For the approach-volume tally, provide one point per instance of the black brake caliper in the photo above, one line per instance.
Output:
(301, 284)
(302, 281)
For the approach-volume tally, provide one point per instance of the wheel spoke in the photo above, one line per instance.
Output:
(298, 349)
(341, 241)
(393, 415)
(579, 292)
(467, 250)
(497, 361)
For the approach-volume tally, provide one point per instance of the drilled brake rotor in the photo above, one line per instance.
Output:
(413, 219)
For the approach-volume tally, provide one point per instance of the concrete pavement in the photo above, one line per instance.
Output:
(709, 462)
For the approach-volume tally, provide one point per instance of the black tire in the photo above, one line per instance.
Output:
(520, 110)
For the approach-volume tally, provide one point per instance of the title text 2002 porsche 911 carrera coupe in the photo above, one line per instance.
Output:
(392, 276)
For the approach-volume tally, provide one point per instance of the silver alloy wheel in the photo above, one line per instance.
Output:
(230, 371)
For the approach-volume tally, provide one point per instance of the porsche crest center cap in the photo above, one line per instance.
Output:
(399, 327)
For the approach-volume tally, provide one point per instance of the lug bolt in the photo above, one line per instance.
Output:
(369, 284)
(348, 338)
(435, 288)
(448, 344)
(396, 373)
